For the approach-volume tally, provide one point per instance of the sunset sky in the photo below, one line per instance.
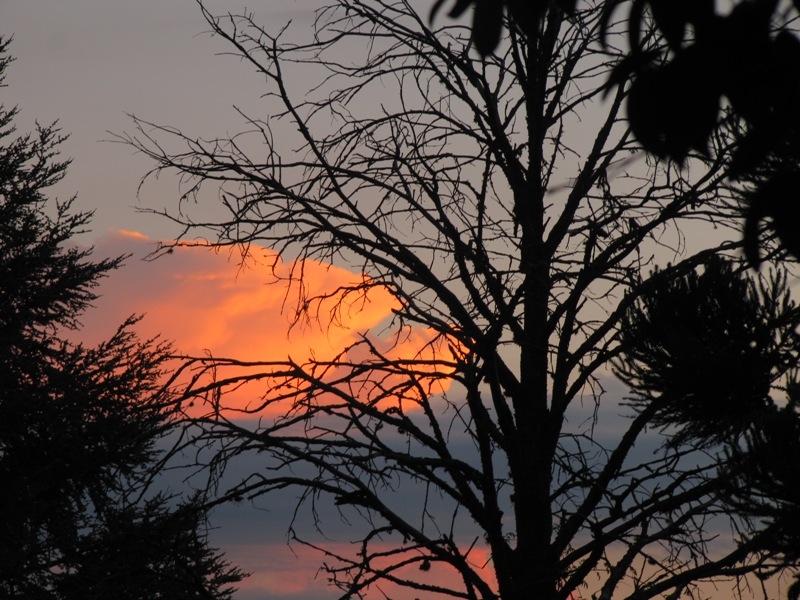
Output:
(90, 64)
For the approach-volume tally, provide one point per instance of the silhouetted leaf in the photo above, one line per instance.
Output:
(674, 108)
(793, 593)
(526, 13)
(743, 44)
(786, 87)
(487, 25)
(460, 7)
(672, 17)
(568, 6)
(487, 22)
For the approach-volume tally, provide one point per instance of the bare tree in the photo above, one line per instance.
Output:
(504, 205)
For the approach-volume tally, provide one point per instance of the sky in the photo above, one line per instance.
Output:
(90, 64)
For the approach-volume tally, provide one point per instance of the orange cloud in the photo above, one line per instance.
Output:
(208, 303)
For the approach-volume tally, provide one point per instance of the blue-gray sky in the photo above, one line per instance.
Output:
(88, 63)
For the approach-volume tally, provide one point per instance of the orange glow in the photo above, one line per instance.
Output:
(208, 303)
(134, 235)
(278, 570)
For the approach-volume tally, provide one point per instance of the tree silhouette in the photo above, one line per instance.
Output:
(763, 482)
(79, 426)
(505, 206)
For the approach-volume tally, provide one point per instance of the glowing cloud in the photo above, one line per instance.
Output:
(205, 300)
(208, 303)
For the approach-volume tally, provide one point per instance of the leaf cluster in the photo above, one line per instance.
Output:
(746, 58)
(704, 350)
(690, 64)
(677, 87)
(763, 477)
(153, 550)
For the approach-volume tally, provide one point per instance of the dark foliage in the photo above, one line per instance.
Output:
(771, 194)
(764, 476)
(677, 88)
(487, 18)
(738, 55)
(746, 61)
(149, 551)
(703, 351)
(79, 426)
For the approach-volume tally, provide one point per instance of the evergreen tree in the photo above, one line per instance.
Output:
(79, 426)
